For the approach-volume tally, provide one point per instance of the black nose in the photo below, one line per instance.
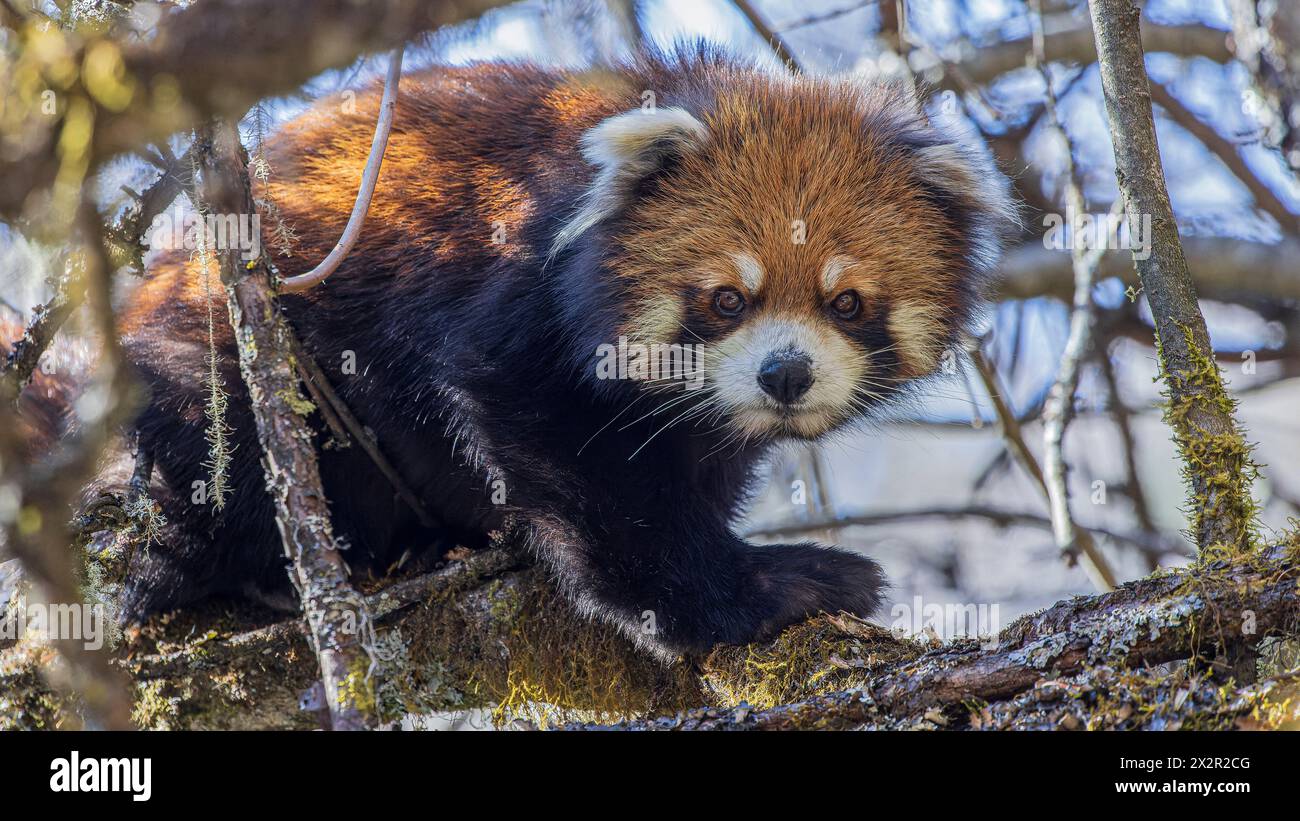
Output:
(785, 379)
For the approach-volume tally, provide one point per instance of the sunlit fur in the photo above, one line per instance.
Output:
(524, 220)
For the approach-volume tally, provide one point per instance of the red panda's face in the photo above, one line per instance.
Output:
(796, 358)
(818, 245)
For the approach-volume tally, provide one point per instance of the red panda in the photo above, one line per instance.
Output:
(813, 246)
(45, 405)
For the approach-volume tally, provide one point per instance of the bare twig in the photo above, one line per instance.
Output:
(1066, 41)
(218, 58)
(771, 37)
(351, 232)
(1150, 544)
(1099, 569)
(346, 426)
(1059, 405)
(1215, 263)
(1123, 423)
(1228, 154)
(1265, 39)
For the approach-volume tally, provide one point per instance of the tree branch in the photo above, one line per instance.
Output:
(1214, 453)
(218, 58)
(336, 614)
(490, 630)
(1102, 575)
(369, 175)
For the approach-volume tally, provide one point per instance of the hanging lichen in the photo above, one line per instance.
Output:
(215, 406)
(283, 237)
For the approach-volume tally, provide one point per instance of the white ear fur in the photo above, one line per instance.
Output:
(970, 175)
(626, 148)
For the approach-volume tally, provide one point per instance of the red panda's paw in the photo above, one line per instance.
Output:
(798, 581)
(777, 585)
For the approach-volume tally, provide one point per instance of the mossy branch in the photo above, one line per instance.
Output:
(1215, 455)
(488, 630)
(338, 619)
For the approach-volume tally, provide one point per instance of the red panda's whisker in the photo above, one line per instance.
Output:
(625, 409)
(672, 422)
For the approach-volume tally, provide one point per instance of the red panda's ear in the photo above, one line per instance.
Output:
(951, 163)
(627, 148)
(968, 176)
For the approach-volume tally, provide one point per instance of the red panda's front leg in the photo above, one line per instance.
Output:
(686, 589)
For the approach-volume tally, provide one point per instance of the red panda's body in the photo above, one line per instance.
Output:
(822, 244)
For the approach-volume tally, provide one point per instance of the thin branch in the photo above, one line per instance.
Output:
(814, 19)
(1214, 453)
(222, 56)
(1216, 265)
(1123, 423)
(1227, 152)
(774, 40)
(1102, 575)
(1150, 544)
(1059, 404)
(346, 426)
(336, 615)
(352, 232)
(1065, 41)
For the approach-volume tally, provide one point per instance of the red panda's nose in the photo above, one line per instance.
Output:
(785, 378)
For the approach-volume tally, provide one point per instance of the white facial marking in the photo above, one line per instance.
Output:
(657, 319)
(836, 366)
(831, 271)
(751, 273)
(918, 334)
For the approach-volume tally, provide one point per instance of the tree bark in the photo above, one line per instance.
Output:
(335, 612)
(1216, 459)
(489, 630)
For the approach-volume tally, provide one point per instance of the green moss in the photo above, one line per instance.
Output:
(822, 655)
(553, 666)
(27, 701)
(357, 690)
(1217, 465)
(1107, 698)
(297, 403)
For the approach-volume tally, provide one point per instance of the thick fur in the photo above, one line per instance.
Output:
(45, 413)
(508, 240)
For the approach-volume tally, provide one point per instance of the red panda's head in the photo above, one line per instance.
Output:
(822, 243)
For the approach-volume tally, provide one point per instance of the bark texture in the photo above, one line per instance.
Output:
(1217, 461)
(335, 612)
(488, 630)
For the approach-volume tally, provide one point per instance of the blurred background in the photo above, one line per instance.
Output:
(934, 492)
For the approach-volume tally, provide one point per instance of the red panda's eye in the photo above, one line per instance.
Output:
(728, 302)
(847, 304)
